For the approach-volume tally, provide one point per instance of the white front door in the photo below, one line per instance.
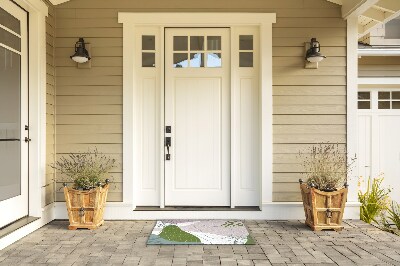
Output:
(197, 108)
(378, 135)
(13, 113)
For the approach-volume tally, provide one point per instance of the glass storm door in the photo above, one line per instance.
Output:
(13, 113)
(197, 108)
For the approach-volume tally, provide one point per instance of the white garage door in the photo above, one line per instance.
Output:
(379, 136)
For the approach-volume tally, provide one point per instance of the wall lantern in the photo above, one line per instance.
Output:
(313, 55)
(81, 54)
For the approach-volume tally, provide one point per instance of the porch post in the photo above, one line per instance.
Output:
(352, 87)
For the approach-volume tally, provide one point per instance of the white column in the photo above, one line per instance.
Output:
(352, 87)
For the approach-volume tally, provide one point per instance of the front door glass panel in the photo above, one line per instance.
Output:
(10, 109)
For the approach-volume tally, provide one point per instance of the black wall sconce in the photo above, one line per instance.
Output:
(81, 55)
(313, 55)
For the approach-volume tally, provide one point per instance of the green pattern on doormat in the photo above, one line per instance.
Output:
(200, 232)
(174, 233)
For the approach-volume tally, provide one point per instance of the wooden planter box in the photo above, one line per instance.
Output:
(85, 207)
(323, 210)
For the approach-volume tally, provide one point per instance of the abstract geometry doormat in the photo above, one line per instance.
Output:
(200, 232)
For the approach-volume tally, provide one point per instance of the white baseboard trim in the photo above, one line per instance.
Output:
(47, 216)
(270, 211)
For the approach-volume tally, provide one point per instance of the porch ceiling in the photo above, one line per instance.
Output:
(371, 13)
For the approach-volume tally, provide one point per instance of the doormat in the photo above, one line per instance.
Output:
(200, 232)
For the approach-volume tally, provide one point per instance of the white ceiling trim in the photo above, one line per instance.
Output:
(352, 8)
(379, 52)
(371, 13)
(57, 2)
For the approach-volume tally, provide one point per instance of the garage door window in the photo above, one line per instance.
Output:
(389, 100)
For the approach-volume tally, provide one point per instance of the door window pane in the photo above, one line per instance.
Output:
(180, 43)
(197, 60)
(214, 43)
(246, 42)
(396, 105)
(10, 39)
(10, 124)
(396, 95)
(180, 60)
(214, 60)
(384, 95)
(148, 59)
(148, 42)
(246, 59)
(7, 20)
(364, 105)
(384, 105)
(197, 43)
(364, 95)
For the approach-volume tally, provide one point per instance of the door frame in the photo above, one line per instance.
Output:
(37, 12)
(20, 200)
(131, 118)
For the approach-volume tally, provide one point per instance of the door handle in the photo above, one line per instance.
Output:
(168, 144)
(27, 139)
(9, 139)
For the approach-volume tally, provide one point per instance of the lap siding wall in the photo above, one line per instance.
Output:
(309, 104)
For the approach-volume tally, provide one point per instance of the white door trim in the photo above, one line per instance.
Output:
(37, 102)
(131, 124)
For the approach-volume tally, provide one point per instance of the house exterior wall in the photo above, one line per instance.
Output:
(309, 104)
(379, 66)
(48, 189)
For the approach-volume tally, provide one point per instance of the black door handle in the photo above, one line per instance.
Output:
(168, 144)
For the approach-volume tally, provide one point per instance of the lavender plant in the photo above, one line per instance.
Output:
(325, 166)
(86, 170)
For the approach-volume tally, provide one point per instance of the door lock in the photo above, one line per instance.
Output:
(168, 144)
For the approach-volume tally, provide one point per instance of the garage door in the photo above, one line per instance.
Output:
(379, 136)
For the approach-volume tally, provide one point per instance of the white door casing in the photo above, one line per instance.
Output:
(197, 105)
(143, 183)
(17, 206)
(379, 142)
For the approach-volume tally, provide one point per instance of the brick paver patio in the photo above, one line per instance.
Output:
(278, 243)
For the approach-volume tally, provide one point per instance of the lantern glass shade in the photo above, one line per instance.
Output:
(81, 54)
(313, 54)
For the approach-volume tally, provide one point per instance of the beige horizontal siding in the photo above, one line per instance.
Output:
(309, 104)
(379, 66)
(49, 184)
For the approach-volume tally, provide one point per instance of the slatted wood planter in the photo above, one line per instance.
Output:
(85, 207)
(323, 210)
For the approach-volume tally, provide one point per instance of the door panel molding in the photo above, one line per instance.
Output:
(197, 106)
